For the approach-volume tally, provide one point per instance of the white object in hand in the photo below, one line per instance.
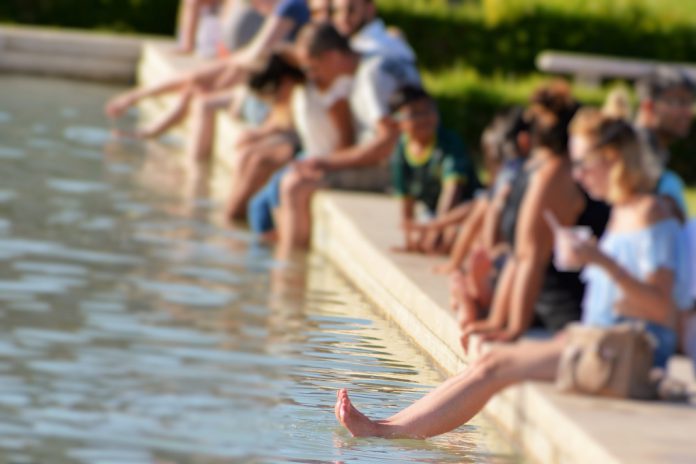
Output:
(566, 240)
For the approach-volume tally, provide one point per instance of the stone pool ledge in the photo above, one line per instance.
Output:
(356, 232)
(85, 55)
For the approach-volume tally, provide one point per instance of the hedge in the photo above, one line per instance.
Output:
(141, 16)
(477, 55)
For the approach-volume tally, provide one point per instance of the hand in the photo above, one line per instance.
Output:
(444, 268)
(310, 168)
(411, 241)
(118, 105)
(480, 329)
(588, 252)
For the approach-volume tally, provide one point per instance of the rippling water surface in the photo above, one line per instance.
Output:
(136, 328)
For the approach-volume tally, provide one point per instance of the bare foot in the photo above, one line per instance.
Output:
(460, 301)
(356, 422)
(118, 105)
(480, 266)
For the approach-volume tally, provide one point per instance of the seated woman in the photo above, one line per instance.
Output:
(260, 151)
(430, 165)
(201, 92)
(476, 256)
(321, 121)
(638, 271)
(529, 289)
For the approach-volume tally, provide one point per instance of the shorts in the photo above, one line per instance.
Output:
(261, 206)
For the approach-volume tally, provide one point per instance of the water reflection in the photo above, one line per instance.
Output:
(137, 328)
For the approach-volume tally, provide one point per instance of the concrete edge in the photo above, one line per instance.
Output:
(545, 434)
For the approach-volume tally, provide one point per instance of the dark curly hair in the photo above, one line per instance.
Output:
(551, 109)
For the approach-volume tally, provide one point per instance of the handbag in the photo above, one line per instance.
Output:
(613, 362)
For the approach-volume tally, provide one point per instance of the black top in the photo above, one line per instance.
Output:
(560, 298)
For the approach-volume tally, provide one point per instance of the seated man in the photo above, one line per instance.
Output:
(321, 122)
(430, 165)
(665, 116)
(324, 54)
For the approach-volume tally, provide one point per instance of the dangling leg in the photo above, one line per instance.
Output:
(461, 397)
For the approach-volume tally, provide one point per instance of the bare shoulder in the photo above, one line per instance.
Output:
(652, 209)
(554, 180)
(552, 187)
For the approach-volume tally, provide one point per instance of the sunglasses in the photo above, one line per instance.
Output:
(608, 135)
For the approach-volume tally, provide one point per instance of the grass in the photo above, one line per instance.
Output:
(691, 200)
(476, 66)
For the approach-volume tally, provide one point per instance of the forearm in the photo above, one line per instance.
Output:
(362, 155)
(641, 299)
(491, 224)
(453, 217)
(273, 31)
(500, 307)
(407, 210)
(467, 233)
(525, 290)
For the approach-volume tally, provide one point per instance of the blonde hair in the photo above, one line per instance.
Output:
(618, 104)
(634, 170)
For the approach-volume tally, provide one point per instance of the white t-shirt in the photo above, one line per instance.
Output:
(376, 80)
(375, 40)
(310, 111)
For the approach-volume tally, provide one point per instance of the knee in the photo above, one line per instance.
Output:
(291, 184)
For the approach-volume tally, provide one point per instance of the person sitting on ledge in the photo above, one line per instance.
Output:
(637, 271)
(665, 115)
(430, 165)
(324, 54)
(529, 290)
(210, 87)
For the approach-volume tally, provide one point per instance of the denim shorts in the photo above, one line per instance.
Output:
(261, 206)
(666, 343)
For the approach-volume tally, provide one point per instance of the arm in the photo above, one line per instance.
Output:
(364, 154)
(650, 299)
(549, 189)
(275, 28)
(451, 192)
(408, 206)
(491, 221)
(273, 31)
(449, 195)
(466, 236)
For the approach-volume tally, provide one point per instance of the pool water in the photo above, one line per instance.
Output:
(136, 327)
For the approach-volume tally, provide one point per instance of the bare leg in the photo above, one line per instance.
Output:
(295, 224)
(202, 134)
(469, 232)
(458, 399)
(461, 301)
(253, 168)
(202, 77)
(169, 119)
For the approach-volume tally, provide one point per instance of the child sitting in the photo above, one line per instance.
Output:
(430, 165)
